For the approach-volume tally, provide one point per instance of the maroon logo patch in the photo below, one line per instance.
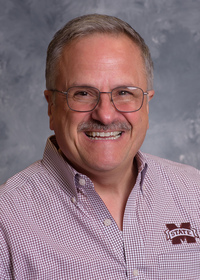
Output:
(180, 234)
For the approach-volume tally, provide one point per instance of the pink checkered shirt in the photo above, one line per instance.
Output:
(53, 225)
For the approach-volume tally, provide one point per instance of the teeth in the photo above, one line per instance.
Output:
(107, 135)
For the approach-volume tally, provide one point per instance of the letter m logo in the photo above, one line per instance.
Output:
(180, 234)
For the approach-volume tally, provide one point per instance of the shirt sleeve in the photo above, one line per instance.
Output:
(5, 258)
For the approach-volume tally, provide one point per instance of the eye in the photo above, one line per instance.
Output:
(124, 93)
(81, 93)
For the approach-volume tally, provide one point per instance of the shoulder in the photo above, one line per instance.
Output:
(170, 166)
(23, 194)
(20, 181)
(172, 175)
(173, 183)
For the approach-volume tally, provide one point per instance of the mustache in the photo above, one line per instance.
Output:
(94, 125)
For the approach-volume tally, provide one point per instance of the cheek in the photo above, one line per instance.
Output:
(69, 122)
(140, 123)
(138, 118)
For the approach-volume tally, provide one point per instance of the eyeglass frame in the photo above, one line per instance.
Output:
(66, 92)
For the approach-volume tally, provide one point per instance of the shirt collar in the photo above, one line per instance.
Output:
(142, 167)
(58, 167)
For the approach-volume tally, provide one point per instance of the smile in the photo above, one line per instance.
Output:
(96, 135)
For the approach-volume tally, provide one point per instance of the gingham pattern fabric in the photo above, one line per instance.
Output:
(53, 225)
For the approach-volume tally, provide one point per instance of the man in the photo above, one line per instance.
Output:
(95, 207)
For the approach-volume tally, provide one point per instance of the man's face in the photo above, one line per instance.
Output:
(105, 62)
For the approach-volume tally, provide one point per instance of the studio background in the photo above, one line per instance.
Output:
(171, 28)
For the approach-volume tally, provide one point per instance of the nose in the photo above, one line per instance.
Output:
(105, 111)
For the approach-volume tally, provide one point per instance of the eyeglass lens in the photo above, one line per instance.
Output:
(126, 99)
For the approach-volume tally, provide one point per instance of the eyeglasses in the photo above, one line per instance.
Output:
(85, 99)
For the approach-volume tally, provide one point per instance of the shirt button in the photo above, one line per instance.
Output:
(135, 272)
(107, 222)
(82, 182)
(73, 199)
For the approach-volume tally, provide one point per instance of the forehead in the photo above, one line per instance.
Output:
(101, 53)
(103, 42)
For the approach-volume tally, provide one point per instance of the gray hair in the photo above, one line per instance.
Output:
(87, 25)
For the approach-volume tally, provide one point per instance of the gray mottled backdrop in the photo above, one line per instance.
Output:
(171, 28)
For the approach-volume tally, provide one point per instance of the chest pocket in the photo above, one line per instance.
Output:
(182, 265)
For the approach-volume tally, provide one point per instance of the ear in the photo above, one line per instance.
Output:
(49, 98)
(149, 96)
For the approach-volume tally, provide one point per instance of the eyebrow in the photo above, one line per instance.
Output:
(88, 85)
